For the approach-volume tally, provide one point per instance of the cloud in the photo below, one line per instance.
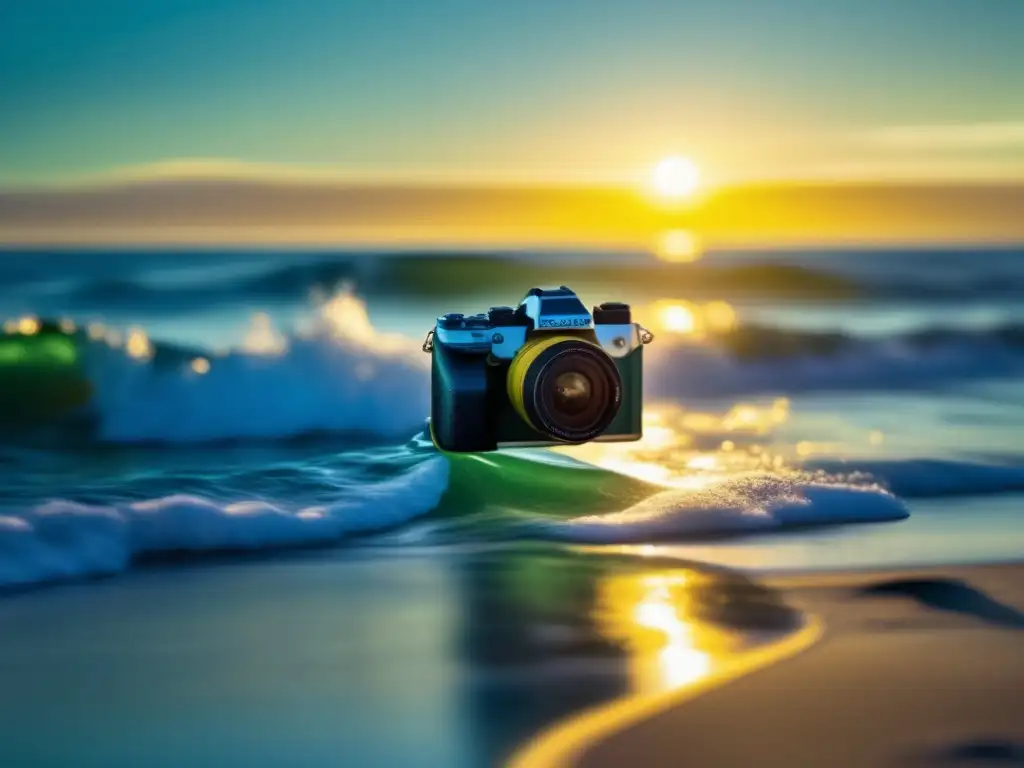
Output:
(964, 137)
(203, 169)
(910, 167)
(218, 169)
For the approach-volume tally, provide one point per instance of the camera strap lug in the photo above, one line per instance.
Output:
(646, 337)
(428, 343)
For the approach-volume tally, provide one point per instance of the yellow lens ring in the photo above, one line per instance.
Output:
(520, 368)
(544, 355)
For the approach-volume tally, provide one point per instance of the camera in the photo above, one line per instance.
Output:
(545, 373)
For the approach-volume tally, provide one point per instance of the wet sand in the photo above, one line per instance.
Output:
(462, 660)
(353, 657)
(921, 668)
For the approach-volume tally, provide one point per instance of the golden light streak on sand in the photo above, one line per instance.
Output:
(674, 657)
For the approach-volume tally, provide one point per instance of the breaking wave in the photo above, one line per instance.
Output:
(340, 375)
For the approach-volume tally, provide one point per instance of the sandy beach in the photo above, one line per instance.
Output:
(533, 655)
(914, 668)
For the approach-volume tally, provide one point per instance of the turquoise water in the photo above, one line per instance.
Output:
(267, 400)
(262, 559)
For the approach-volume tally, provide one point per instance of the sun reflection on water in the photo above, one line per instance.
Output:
(652, 616)
(695, 449)
(678, 245)
(694, 320)
(138, 345)
(27, 325)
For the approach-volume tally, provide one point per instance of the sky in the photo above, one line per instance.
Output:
(493, 91)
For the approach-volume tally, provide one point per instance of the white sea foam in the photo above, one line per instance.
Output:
(749, 503)
(63, 539)
(340, 375)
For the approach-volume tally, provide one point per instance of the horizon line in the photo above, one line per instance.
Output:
(227, 170)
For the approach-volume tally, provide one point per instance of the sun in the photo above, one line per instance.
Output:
(676, 177)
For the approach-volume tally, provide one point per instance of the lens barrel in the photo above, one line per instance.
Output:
(565, 387)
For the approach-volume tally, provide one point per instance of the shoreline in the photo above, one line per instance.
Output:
(912, 619)
(570, 742)
(643, 647)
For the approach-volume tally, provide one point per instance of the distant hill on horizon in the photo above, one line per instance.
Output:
(210, 211)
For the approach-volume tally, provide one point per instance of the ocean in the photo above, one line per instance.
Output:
(234, 526)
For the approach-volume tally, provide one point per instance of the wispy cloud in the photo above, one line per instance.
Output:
(216, 169)
(934, 168)
(952, 137)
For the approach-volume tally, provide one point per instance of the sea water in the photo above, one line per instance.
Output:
(808, 410)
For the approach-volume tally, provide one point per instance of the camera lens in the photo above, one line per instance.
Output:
(573, 392)
(565, 387)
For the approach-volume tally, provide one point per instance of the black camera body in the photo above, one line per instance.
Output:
(545, 373)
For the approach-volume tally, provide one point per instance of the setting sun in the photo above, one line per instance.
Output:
(676, 177)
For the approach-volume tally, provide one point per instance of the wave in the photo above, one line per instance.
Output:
(753, 503)
(929, 478)
(143, 280)
(461, 275)
(761, 360)
(452, 499)
(61, 540)
(319, 386)
(332, 382)
(341, 375)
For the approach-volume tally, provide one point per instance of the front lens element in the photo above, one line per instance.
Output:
(573, 393)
